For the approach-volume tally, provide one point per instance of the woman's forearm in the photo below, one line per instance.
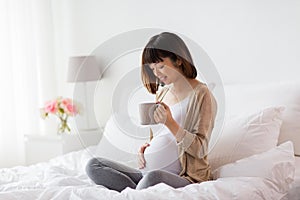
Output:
(173, 126)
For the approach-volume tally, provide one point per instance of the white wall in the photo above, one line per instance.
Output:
(248, 40)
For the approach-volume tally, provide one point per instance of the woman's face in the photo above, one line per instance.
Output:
(166, 71)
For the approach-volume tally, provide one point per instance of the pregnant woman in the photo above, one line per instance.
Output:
(177, 155)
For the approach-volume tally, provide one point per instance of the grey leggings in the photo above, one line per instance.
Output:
(117, 176)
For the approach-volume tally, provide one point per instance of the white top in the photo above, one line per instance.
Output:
(163, 151)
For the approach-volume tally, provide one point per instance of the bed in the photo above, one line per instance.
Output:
(294, 191)
(253, 158)
(64, 178)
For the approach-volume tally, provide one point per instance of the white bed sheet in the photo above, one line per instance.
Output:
(294, 192)
(64, 177)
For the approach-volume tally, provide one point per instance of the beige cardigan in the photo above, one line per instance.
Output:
(193, 138)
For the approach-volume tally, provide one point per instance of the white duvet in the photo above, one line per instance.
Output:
(64, 178)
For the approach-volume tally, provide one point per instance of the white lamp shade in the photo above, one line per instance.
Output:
(83, 69)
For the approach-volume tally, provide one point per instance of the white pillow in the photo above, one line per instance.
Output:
(277, 165)
(246, 135)
(250, 97)
(121, 140)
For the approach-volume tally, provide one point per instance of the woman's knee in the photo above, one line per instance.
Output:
(160, 176)
(97, 170)
(154, 177)
(93, 164)
(150, 179)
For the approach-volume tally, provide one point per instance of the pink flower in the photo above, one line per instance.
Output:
(66, 101)
(62, 108)
(69, 107)
(51, 106)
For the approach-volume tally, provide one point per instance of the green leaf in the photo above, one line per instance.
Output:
(61, 110)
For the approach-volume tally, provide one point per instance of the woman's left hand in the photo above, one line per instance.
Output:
(162, 114)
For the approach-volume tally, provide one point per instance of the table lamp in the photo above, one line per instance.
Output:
(81, 70)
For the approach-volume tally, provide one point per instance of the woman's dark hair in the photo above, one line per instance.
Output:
(165, 45)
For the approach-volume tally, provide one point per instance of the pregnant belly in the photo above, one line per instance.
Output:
(162, 154)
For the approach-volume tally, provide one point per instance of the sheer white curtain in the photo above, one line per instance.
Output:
(26, 72)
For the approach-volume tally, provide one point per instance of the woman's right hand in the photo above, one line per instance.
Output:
(141, 158)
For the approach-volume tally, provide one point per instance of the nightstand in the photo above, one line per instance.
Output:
(39, 148)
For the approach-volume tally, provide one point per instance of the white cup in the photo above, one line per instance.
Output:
(147, 113)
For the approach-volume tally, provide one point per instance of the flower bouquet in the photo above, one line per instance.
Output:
(62, 108)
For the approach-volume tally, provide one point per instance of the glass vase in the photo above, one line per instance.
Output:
(63, 127)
